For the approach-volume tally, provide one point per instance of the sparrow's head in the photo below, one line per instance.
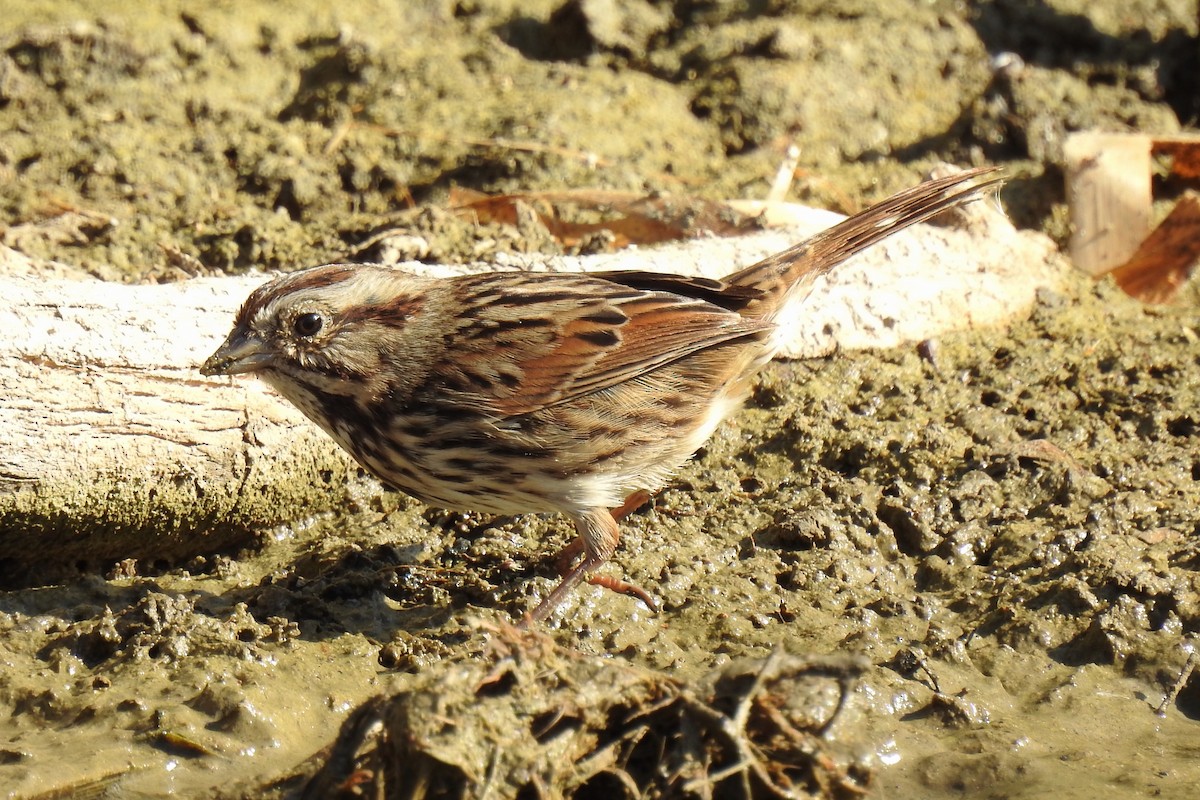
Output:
(337, 329)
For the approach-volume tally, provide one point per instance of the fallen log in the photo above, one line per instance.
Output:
(115, 447)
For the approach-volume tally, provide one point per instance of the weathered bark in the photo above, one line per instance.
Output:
(115, 447)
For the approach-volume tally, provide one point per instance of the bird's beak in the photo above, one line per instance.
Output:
(241, 352)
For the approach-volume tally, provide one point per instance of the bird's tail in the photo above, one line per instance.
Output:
(786, 276)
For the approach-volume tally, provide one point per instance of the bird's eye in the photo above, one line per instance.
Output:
(308, 324)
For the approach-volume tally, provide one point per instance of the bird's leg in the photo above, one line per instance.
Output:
(597, 540)
(566, 557)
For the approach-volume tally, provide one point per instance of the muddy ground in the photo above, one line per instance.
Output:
(990, 549)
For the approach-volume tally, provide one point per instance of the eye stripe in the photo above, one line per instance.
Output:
(395, 313)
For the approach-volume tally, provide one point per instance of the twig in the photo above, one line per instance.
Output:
(1180, 681)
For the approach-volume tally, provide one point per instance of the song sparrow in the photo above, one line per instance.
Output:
(514, 392)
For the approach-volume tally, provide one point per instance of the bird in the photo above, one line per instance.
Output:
(512, 392)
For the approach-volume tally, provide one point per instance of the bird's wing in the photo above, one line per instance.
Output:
(536, 342)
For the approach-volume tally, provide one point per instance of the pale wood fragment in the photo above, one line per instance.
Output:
(1109, 197)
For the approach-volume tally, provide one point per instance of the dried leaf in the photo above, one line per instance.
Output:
(636, 218)
(1165, 260)
(1185, 156)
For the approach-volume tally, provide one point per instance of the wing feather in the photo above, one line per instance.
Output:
(566, 336)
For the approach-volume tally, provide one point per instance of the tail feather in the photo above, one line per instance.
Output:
(780, 276)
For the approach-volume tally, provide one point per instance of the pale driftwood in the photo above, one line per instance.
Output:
(1108, 196)
(114, 446)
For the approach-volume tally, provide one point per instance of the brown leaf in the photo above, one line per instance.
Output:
(1165, 260)
(1185, 156)
(636, 219)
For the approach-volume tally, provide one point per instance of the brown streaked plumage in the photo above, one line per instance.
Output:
(516, 392)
